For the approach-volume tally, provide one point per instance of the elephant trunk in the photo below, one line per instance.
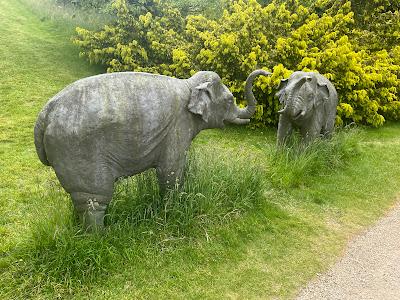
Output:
(294, 107)
(249, 110)
(294, 104)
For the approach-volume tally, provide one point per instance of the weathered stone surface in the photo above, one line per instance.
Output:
(105, 127)
(310, 102)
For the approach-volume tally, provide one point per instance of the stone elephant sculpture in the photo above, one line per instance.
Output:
(309, 104)
(108, 126)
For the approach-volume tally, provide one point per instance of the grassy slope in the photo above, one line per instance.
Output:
(37, 61)
(268, 252)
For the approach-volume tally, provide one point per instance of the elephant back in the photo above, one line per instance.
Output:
(139, 101)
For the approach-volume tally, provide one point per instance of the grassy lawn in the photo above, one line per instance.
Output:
(250, 223)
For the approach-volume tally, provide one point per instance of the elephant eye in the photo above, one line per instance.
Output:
(283, 98)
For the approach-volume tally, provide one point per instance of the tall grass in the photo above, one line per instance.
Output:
(298, 164)
(216, 187)
(57, 254)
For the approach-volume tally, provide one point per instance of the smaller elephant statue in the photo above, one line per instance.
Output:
(108, 126)
(309, 104)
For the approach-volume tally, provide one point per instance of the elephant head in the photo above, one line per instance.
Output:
(301, 94)
(213, 101)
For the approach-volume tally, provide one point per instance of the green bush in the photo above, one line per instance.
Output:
(140, 42)
(211, 8)
(366, 81)
(324, 36)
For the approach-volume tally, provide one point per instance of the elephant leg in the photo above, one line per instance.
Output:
(91, 190)
(91, 209)
(170, 171)
(285, 128)
(327, 130)
(311, 131)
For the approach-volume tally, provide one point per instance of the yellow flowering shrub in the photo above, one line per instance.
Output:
(366, 81)
(143, 42)
(327, 36)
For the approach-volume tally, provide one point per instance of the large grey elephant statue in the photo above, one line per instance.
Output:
(104, 127)
(309, 104)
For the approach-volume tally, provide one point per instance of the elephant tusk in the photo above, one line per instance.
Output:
(283, 110)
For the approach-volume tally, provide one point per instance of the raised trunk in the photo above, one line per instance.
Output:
(248, 111)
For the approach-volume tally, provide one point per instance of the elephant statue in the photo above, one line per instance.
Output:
(309, 104)
(108, 126)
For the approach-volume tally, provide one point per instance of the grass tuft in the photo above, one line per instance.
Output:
(215, 188)
(297, 165)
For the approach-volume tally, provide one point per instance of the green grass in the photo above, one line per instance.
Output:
(69, 16)
(297, 164)
(250, 222)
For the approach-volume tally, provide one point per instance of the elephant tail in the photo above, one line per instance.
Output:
(39, 135)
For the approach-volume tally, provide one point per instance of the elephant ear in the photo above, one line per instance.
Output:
(323, 92)
(200, 100)
(281, 88)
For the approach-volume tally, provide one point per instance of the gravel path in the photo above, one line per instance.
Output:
(370, 268)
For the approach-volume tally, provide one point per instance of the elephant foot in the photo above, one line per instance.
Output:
(91, 210)
(93, 218)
